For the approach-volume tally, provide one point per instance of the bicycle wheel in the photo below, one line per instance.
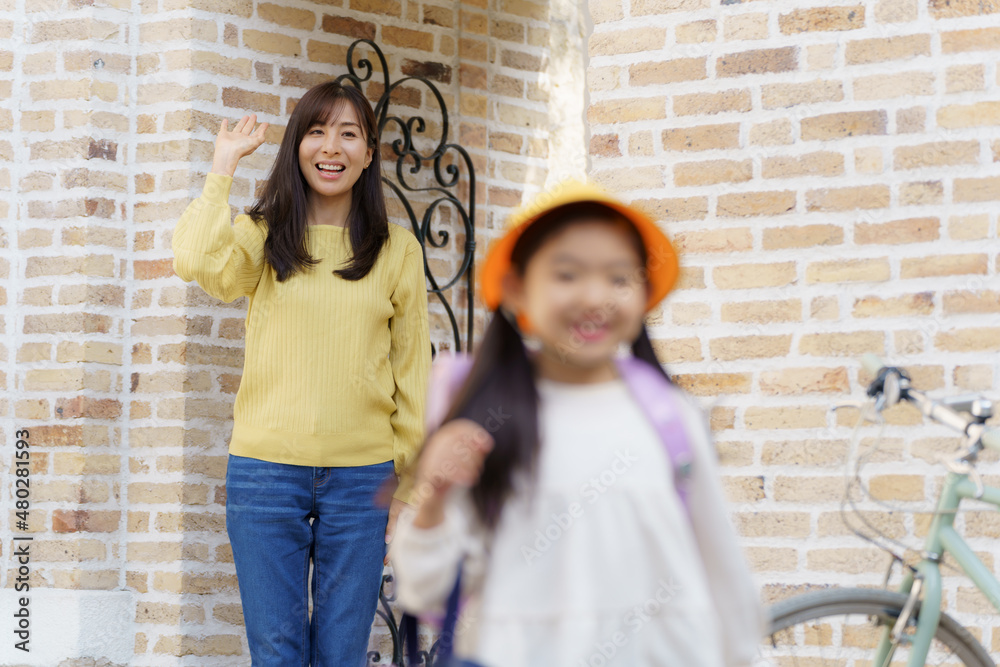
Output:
(841, 627)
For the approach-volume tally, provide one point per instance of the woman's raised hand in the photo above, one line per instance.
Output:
(233, 145)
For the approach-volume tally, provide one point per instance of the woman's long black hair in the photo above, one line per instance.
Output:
(500, 393)
(282, 205)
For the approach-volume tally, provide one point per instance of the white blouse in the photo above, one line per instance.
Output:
(598, 563)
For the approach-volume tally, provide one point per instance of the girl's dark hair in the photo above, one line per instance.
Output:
(282, 205)
(500, 393)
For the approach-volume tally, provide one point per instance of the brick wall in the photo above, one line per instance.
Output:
(828, 170)
(124, 375)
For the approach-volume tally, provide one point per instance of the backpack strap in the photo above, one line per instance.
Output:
(658, 401)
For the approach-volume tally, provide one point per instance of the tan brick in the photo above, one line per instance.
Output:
(848, 199)
(743, 489)
(888, 86)
(773, 133)
(822, 19)
(702, 138)
(809, 489)
(696, 32)
(900, 306)
(772, 524)
(780, 95)
(842, 344)
(964, 78)
(806, 236)
(942, 9)
(974, 378)
(211, 645)
(794, 381)
(878, 50)
(687, 208)
(407, 38)
(957, 116)
(963, 41)
(841, 125)
(658, 7)
(89, 491)
(790, 417)
(912, 230)
(270, 42)
(670, 71)
(678, 350)
(887, 523)
(747, 204)
(820, 163)
(749, 276)
(771, 559)
(762, 312)
(966, 301)
(969, 228)
(712, 172)
(760, 61)
(721, 240)
(620, 42)
(641, 144)
(868, 160)
(976, 189)
(300, 19)
(745, 27)
(686, 314)
(636, 178)
(177, 522)
(68, 551)
(714, 384)
(73, 463)
(627, 110)
(700, 104)
(813, 453)
(944, 265)
(897, 487)
(749, 347)
(896, 11)
(178, 30)
(921, 193)
(188, 494)
(846, 560)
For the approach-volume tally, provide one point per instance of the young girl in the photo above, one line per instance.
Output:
(548, 484)
(332, 395)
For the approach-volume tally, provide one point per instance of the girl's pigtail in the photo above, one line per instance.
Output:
(500, 396)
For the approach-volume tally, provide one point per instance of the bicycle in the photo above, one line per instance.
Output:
(851, 627)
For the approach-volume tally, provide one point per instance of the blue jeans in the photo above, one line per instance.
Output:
(278, 518)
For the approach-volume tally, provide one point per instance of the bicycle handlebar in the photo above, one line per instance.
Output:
(935, 410)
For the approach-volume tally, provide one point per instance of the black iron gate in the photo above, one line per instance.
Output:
(446, 190)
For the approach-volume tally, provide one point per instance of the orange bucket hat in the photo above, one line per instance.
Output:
(661, 260)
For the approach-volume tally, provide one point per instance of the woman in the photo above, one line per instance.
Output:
(332, 395)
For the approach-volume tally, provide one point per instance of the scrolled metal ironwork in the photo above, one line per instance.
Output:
(445, 164)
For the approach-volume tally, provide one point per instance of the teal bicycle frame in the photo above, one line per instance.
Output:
(942, 538)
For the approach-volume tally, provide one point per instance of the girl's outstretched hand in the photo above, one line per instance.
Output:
(454, 455)
(233, 145)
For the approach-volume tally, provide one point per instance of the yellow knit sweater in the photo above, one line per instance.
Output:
(335, 371)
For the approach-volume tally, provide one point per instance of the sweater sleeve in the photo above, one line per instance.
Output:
(225, 259)
(410, 357)
(734, 595)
